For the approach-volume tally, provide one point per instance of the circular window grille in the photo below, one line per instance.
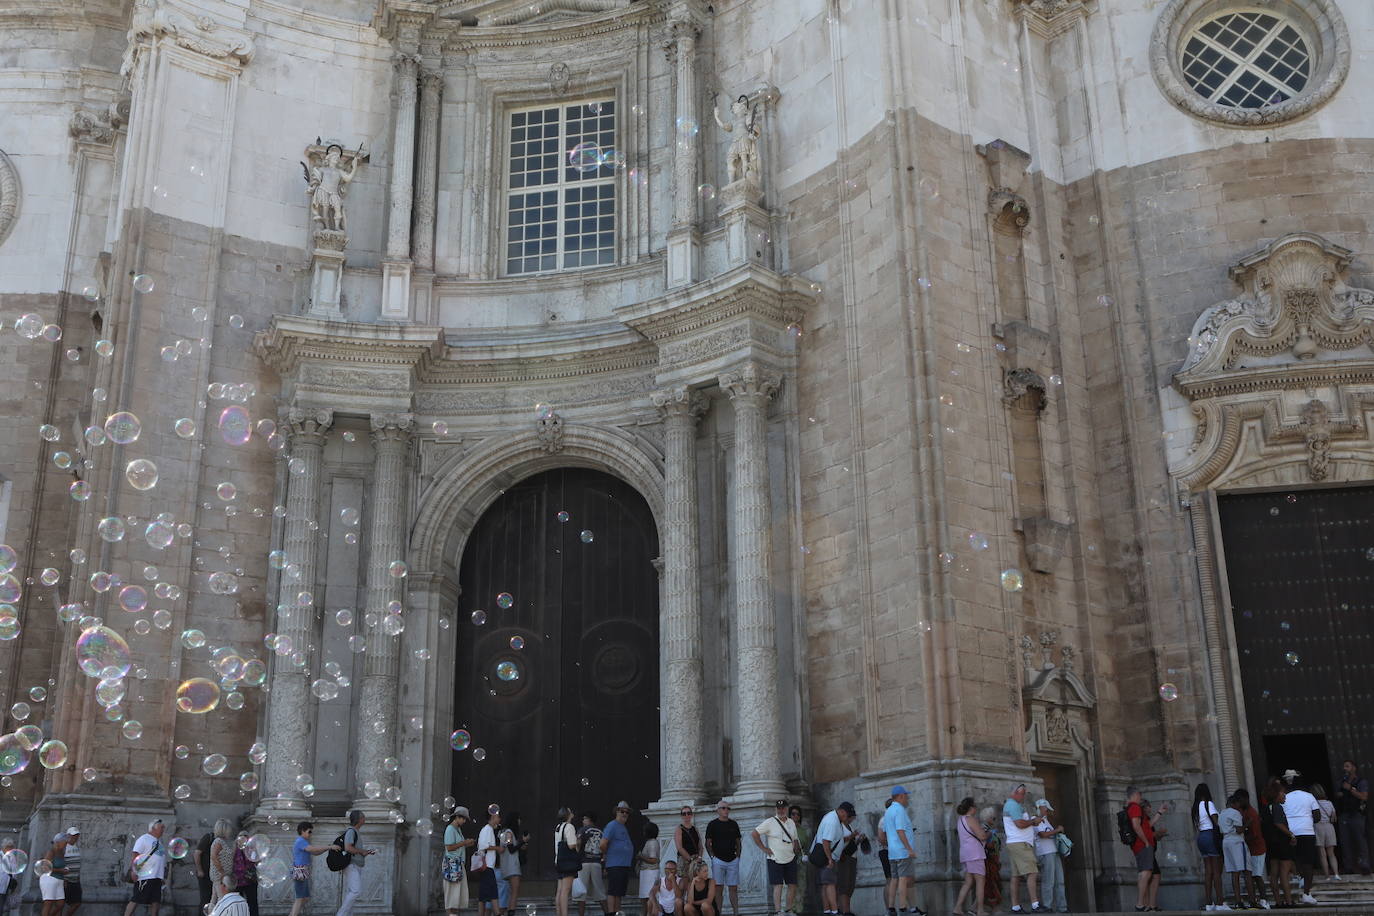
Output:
(1250, 64)
(1247, 60)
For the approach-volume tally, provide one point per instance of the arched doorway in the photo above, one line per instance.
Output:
(578, 723)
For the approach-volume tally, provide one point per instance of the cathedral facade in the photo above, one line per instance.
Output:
(557, 402)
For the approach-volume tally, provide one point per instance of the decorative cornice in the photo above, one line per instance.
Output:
(158, 19)
(749, 289)
(292, 340)
(1048, 18)
(11, 194)
(545, 31)
(94, 127)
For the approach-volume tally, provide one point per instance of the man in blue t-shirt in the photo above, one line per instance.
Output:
(901, 850)
(619, 853)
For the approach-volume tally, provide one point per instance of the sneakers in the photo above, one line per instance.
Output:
(1037, 908)
(1308, 898)
(1264, 904)
(1221, 908)
(1335, 877)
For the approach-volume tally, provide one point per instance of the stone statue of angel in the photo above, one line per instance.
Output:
(327, 183)
(742, 161)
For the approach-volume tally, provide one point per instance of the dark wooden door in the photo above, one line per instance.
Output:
(578, 726)
(1300, 567)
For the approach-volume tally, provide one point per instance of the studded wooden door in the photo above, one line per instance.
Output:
(569, 717)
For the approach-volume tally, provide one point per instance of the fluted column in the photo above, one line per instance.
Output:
(683, 237)
(681, 686)
(287, 733)
(756, 660)
(402, 157)
(426, 184)
(377, 715)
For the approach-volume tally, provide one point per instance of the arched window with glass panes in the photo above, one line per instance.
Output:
(1247, 59)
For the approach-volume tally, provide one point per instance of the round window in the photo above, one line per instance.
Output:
(1250, 65)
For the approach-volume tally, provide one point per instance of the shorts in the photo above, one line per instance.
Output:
(148, 890)
(725, 873)
(1235, 856)
(1305, 850)
(846, 876)
(486, 885)
(1207, 844)
(52, 887)
(617, 880)
(1145, 859)
(648, 877)
(300, 890)
(826, 876)
(456, 894)
(975, 866)
(1326, 833)
(592, 880)
(782, 874)
(73, 891)
(886, 863)
(1022, 856)
(1257, 864)
(903, 868)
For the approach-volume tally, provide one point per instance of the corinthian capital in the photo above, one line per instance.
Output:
(307, 423)
(432, 80)
(392, 427)
(750, 382)
(679, 401)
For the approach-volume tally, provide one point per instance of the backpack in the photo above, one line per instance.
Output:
(1125, 831)
(335, 860)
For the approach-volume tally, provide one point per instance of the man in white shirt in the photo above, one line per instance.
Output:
(353, 872)
(488, 894)
(149, 866)
(777, 837)
(831, 835)
(1020, 825)
(1300, 808)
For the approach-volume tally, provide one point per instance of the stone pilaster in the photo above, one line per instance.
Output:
(750, 387)
(287, 732)
(426, 183)
(681, 686)
(684, 238)
(378, 720)
(402, 157)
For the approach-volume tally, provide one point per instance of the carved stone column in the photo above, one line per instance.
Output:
(396, 267)
(750, 388)
(683, 237)
(681, 685)
(288, 733)
(431, 92)
(377, 717)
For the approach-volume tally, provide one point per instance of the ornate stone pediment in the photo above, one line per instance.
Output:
(201, 34)
(1278, 383)
(1294, 308)
(495, 13)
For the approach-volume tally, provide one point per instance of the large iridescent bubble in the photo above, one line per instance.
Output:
(102, 653)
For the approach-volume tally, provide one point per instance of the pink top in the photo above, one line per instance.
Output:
(970, 847)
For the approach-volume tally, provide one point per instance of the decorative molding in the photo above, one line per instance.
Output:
(750, 382)
(1324, 25)
(549, 431)
(556, 21)
(11, 194)
(152, 19)
(94, 127)
(1017, 383)
(1316, 426)
(1049, 18)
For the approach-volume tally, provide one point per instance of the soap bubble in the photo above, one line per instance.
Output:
(257, 753)
(254, 672)
(397, 570)
(325, 689)
(102, 653)
(111, 529)
(20, 711)
(1168, 692)
(49, 433)
(349, 516)
(517, 642)
(197, 695)
(79, 491)
(440, 428)
(143, 283)
(235, 425)
(104, 347)
(257, 846)
(564, 515)
(1104, 300)
(508, 671)
(543, 411)
(1292, 658)
(14, 862)
(29, 326)
(50, 576)
(30, 736)
(177, 847)
(228, 663)
(13, 757)
(706, 191)
(585, 158)
(193, 638)
(62, 460)
(586, 536)
(226, 491)
(505, 600)
(479, 754)
(123, 427)
(182, 792)
(133, 729)
(214, 764)
(223, 583)
(687, 127)
(978, 541)
(460, 739)
(185, 427)
(141, 474)
(1011, 580)
(38, 694)
(273, 871)
(109, 692)
(479, 618)
(133, 598)
(9, 558)
(159, 534)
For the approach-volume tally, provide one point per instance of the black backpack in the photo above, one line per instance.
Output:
(335, 860)
(1124, 830)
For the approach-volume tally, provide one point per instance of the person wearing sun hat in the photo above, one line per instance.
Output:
(901, 849)
(1051, 866)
